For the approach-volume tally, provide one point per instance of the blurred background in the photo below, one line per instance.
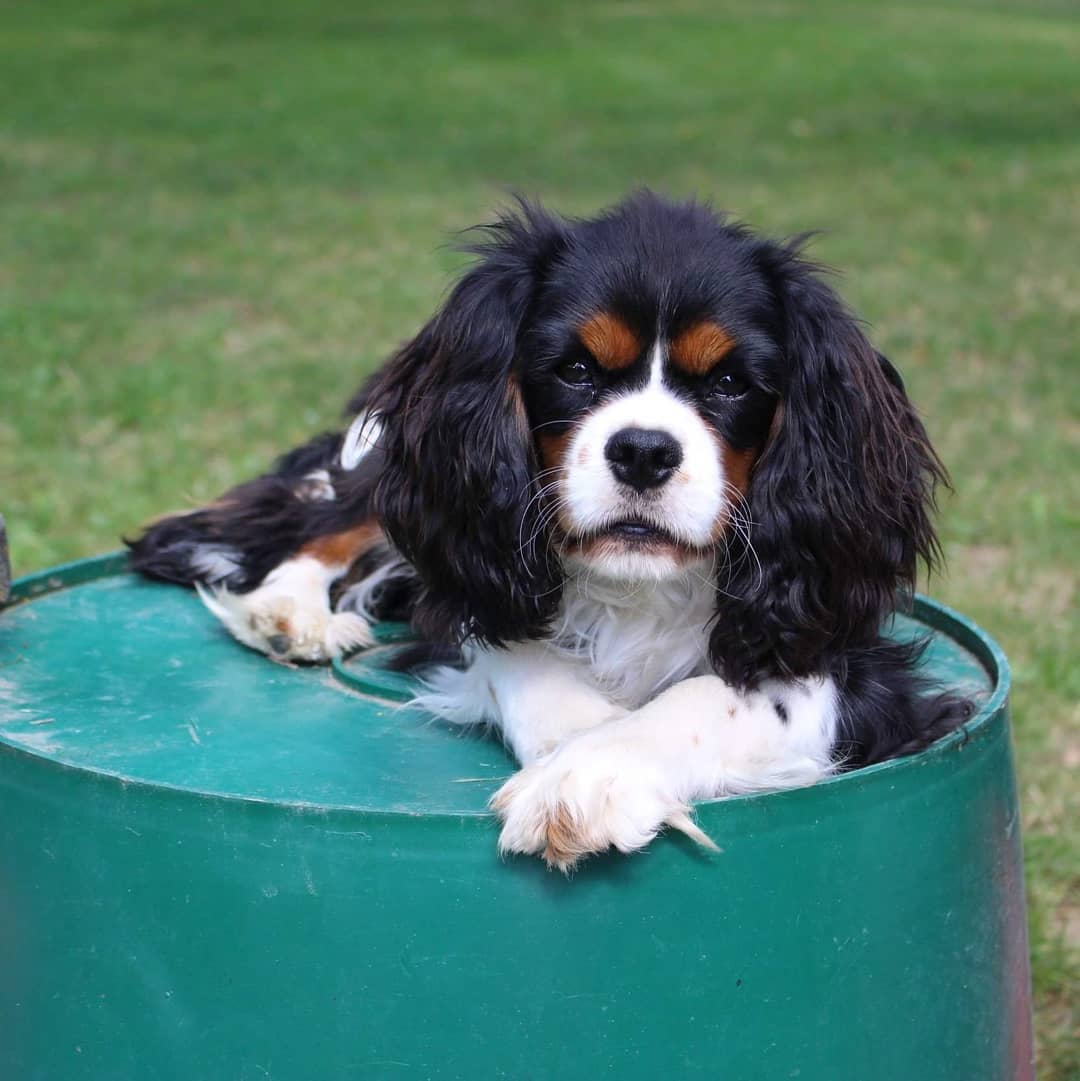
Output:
(217, 217)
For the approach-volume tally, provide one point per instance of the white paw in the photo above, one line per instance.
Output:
(287, 627)
(597, 791)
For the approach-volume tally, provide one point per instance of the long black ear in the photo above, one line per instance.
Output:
(458, 492)
(840, 501)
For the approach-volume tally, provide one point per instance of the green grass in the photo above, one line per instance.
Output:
(218, 217)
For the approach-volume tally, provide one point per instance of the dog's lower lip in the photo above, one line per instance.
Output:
(633, 529)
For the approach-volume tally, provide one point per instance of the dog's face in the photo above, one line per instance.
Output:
(648, 373)
(646, 393)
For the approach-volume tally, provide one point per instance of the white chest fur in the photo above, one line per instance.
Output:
(636, 640)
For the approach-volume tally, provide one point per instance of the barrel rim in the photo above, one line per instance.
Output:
(934, 614)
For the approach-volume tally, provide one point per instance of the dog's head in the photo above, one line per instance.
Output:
(649, 393)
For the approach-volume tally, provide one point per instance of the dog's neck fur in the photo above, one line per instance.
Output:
(637, 638)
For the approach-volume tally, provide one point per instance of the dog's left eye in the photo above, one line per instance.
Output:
(575, 372)
(729, 386)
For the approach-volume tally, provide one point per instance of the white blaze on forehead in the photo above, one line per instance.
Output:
(656, 365)
(687, 506)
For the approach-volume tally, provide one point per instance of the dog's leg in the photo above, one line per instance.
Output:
(288, 617)
(265, 554)
(534, 696)
(247, 533)
(620, 783)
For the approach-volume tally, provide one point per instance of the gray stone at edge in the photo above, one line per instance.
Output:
(5, 564)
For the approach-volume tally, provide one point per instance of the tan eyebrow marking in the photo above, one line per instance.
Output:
(610, 340)
(699, 349)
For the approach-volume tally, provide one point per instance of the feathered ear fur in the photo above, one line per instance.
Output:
(458, 491)
(840, 500)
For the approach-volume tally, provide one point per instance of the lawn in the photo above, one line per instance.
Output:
(215, 218)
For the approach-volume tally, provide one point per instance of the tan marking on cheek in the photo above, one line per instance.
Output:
(737, 465)
(610, 340)
(776, 426)
(552, 449)
(698, 350)
(338, 549)
(583, 456)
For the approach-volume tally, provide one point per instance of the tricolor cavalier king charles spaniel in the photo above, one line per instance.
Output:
(648, 493)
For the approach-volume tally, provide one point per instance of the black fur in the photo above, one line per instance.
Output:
(839, 501)
(457, 493)
(262, 522)
(841, 497)
(886, 709)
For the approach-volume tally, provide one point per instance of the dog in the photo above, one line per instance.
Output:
(647, 492)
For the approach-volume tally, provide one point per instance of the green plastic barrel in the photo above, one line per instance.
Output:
(213, 867)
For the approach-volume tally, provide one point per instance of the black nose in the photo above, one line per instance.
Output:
(643, 457)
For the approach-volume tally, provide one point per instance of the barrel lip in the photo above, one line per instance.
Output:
(29, 587)
(933, 613)
(973, 638)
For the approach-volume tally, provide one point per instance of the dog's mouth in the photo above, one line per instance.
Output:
(634, 534)
(636, 530)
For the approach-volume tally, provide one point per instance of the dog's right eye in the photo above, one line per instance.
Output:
(575, 372)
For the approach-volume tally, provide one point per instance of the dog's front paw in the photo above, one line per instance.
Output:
(597, 791)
